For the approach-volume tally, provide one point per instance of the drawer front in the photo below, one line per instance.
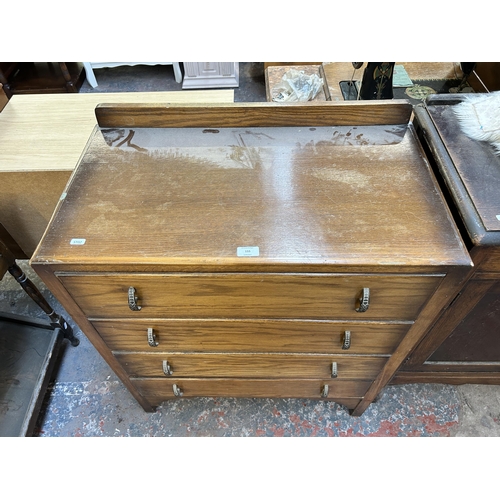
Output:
(186, 335)
(344, 392)
(250, 295)
(249, 365)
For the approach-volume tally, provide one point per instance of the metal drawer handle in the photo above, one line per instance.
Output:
(324, 391)
(346, 341)
(364, 301)
(132, 300)
(167, 369)
(152, 338)
(334, 370)
(177, 390)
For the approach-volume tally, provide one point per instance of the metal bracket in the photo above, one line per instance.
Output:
(167, 369)
(346, 341)
(334, 370)
(152, 338)
(132, 300)
(324, 391)
(364, 301)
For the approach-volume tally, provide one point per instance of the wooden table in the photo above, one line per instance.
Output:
(41, 140)
(336, 72)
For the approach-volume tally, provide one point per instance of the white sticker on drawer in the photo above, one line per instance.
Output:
(498, 217)
(247, 251)
(78, 241)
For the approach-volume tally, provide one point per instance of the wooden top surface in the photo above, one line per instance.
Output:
(254, 114)
(41, 132)
(305, 196)
(336, 72)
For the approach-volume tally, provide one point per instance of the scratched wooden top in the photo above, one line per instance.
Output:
(306, 197)
(478, 167)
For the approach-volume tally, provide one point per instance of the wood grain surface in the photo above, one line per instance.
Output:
(346, 392)
(240, 365)
(238, 335)
(251, 295)
(253, 114)
(309, 197)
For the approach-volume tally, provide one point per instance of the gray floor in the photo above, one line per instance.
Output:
(87, 399)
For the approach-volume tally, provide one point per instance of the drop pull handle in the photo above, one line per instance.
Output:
(177, 391)
(167, 369)
(346, 341)
(132, 300)
(364, 301)
(152, 338)
(324, 391)
(334, 370)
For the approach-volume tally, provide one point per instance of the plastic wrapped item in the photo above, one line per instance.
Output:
(296, 86)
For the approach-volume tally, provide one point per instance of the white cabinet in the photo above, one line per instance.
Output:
(201, 75)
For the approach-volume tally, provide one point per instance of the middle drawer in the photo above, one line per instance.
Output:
(250, 295)
(261, 335)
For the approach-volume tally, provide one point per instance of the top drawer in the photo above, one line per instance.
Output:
(251, 295)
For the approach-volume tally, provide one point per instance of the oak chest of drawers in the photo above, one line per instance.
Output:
(253, 250)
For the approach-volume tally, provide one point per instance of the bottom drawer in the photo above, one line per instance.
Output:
(348, 392)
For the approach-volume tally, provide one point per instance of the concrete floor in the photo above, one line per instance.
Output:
(87, 399)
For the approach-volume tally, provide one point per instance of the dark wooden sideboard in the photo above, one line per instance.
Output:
(464, 344)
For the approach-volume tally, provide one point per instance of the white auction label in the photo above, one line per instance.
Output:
(78, 241)
(498, 217)
(247, 251)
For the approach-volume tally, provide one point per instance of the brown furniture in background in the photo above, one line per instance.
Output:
(3, 98)
(464, 344)
(486, 74)
(254, 253)
(41, 77)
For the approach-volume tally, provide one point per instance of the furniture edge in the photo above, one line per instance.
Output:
(312, 114)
